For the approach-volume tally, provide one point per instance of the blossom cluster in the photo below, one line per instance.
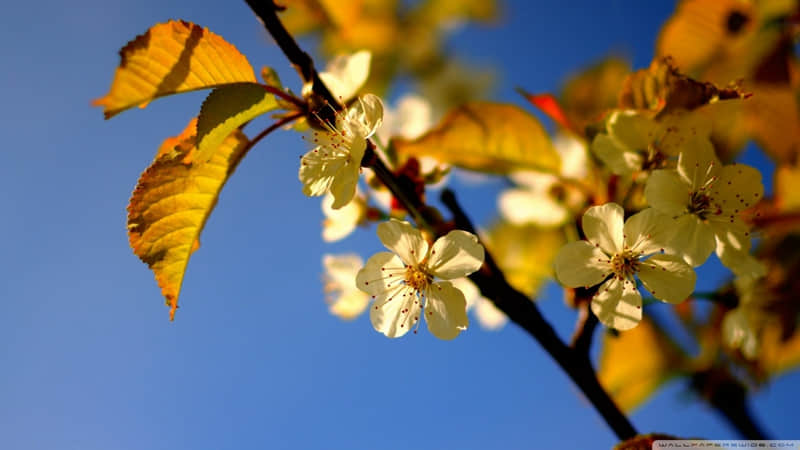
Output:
(690, 206)
(418, 280)
(694, 206)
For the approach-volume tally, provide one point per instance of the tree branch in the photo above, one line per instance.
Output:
(489, 279)
(587, 322)
(524, 312)
(729, 398)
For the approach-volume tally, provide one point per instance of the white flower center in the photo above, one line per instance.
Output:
(701, 205)
(417, 279)
(625, 264)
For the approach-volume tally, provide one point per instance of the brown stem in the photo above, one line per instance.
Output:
(283, 121)
(729, 398)
(267, 11)
(289, 98)
(524, 312)
(587, 322)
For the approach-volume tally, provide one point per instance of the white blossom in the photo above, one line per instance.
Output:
(402, 282)
(613, 254)
(334, 164)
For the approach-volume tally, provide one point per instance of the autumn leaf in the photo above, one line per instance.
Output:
(662, 88)
(487, 137)
(172, 201)
(589, 94)
(635, 363)
(778, 354)
(525, 253)
(226, 109)
(171, 58)
(548, 104)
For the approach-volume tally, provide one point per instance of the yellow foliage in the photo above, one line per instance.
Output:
(748, 41)
(525, 253)
(171, 58)
(778, 355)
(172, 201)
(589, 94)
(787, 187)
(226, 109)
(635, 363)
(487, 137)
(662, 88)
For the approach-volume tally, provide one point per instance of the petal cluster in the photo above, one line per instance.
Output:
(541, 198)
(345, 300)
(707, 199)
(402, 282)
(334, 164)
(614, 253)
(634, 141)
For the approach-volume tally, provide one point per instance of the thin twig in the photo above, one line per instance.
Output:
(587, 322)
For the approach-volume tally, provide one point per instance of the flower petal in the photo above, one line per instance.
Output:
(339, 223)
(383, 272)
(667, 192)
(618, 305)
(633, 131)
(738, 188)
(366, 115)
(343, 186)
(396, 311)
(489, 316)
(648, 232)
(403, 239)
(522, 206)
(445, 311)
(667, 277)
(318, 168)
(693, 239)
(349, 305)
(345, 74)
(581, 264)
(603, 227)
(698, 164)
(342, 269)
(733, 249)
(677, 129)
(614, 156)
(455, 255)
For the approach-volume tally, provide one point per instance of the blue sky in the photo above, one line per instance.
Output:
(254, 360)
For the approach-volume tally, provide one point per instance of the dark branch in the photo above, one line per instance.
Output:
(267, 11)
(489, 279)
(524, 312)
(584, 330)
(728, 397)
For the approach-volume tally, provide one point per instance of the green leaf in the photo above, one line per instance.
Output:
(487, 137)
(226, 109)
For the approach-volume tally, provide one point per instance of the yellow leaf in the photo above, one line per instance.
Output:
(487, 137)
(787, 187)
(171, 203)
(635, 363)
(171, 58)
(663, 88)
(226, 109)
(525, 253)
(588, 95)
(779, 355)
